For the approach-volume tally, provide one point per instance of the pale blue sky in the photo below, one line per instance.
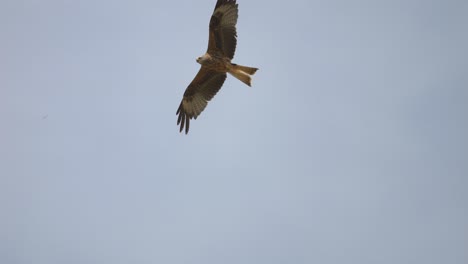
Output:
(351, 146)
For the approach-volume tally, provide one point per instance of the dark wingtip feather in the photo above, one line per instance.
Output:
(179, 113)
(178, 119)
(183, 120)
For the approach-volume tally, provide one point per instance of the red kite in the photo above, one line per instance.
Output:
(214, 64)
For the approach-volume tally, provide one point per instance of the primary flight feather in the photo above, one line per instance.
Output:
(215, 63)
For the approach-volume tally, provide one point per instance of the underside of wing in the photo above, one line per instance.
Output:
(223, 34)
(201, 90)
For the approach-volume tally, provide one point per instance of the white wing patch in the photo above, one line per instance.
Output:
(195, 105)
(230, 15)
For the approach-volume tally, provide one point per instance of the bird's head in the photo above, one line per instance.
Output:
(204, 59)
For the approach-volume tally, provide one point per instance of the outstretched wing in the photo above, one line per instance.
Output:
(204, 86)
(223, 34)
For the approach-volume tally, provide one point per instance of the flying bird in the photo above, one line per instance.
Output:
(215, 63)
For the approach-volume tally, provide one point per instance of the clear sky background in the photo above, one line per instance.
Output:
(351, 146)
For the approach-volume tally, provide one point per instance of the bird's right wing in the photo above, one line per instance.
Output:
(202, 89)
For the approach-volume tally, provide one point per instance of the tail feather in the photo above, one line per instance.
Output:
(248, 70)
(243, 73)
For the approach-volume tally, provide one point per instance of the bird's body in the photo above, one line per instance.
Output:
(215, 63)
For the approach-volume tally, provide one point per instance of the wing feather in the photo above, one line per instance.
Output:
(223, 34)
(201, 90)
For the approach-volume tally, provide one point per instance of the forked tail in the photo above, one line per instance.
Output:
(243, 73)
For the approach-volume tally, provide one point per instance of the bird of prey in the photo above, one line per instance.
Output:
(215, 63)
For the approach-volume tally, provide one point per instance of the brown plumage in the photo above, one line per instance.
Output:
(214, 64)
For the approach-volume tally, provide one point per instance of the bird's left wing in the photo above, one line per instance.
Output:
(223, 33)
(202, 89)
